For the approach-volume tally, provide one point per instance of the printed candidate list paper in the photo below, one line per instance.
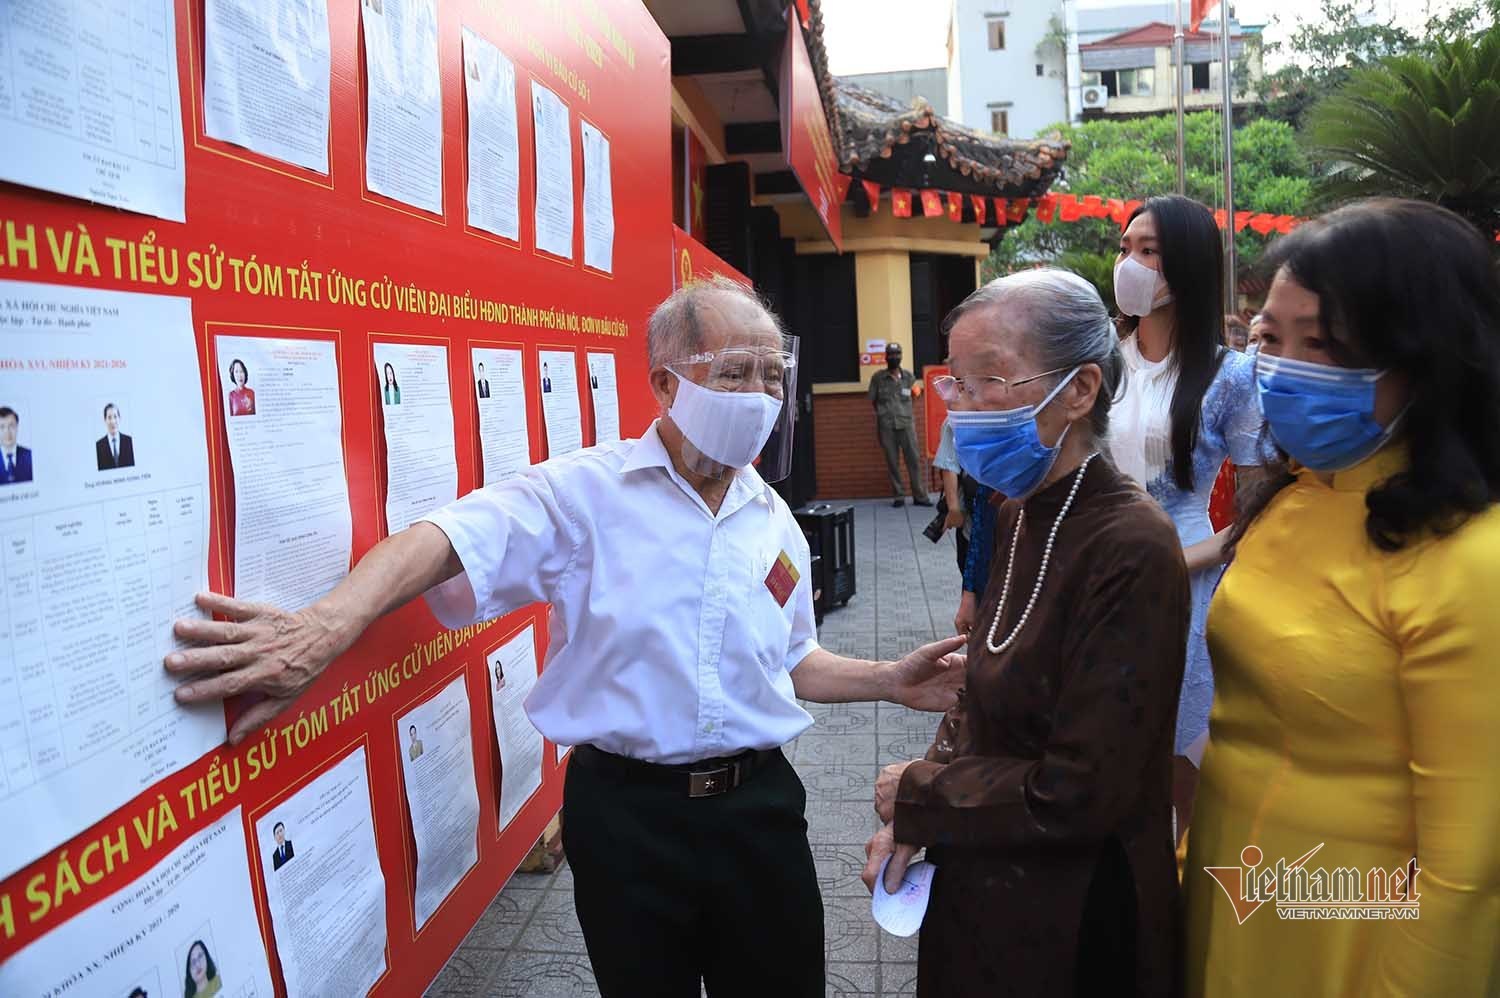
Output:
(560, 403)
(404, 147)
(554, 172)
(500, 391)
(437, 766)
(265, 81)
(292, 525)
(598, 201)
(189, 920)
(89, 102)
(324, 885)
(512, 678)
(606, 397)
(103, 544)
(421, 466)
(494, 141)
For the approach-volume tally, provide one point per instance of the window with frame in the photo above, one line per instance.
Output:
(1000, 120)
(1200, 79)
(1135, 82)
(1090, 78)
(996, 29)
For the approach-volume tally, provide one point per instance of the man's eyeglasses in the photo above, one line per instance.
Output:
(948, 387)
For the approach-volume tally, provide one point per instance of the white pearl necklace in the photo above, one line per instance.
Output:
(1010, 565)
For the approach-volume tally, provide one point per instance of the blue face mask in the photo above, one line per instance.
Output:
(1323, 416)
(1002, 449)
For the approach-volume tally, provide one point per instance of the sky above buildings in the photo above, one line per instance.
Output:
(871, 36)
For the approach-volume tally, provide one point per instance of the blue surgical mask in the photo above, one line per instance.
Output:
(1002, 449)
(1323, 416)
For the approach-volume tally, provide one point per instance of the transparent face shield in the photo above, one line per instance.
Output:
(736, 406)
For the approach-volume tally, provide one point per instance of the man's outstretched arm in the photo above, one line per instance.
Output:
(264, 649)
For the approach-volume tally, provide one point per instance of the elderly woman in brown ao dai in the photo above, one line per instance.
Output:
(1045, 799)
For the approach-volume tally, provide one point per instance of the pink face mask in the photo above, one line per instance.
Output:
(1139, 290)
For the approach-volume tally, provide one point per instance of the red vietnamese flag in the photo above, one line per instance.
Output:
(841, 182)
(1199, 12)
(932, 205)
(1282, 224)
(1130, 209)
(696, 171)
(1242, 219)
(900, 203)
(1093, 206)
(955, 207)
(1116, 210)
(1001, 211)
(977, 200)
(1070, 209)
(1017, 212)
(1220, 218)
(1045, 207)
(1263, 223)
(872, 192)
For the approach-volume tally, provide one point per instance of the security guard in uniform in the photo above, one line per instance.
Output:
(892, 391)
(682, 640)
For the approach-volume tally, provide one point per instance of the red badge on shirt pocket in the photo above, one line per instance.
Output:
(782, 579)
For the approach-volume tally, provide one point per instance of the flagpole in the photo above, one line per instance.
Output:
(1178, 45)
(1226, 72)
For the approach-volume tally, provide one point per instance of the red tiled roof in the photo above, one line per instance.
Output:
(1157, 34)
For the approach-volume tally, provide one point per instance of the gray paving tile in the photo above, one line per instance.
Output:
(839, 867)
(503, 920)
(898, 980)
(545, 975)
(849, 930)
(842, 823)
(554, 927)
(849, 783)
(467, 973)
(853, 980)
(835, 750)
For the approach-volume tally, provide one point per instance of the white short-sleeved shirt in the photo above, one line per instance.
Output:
(666, 643)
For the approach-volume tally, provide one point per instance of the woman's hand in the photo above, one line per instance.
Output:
(886, 785)
(968, 608)
(930, 677)
(955, 518)
(881, 845)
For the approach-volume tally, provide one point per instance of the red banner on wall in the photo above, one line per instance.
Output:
(271, 249)
(692, 261)
(804, 131)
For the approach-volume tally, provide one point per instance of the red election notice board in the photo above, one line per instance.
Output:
(321, 261)
(692, 261)
(804, 132)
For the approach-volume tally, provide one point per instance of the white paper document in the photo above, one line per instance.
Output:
(292, 525)
(103, 544)
(324, 885)
(188, 921)
(500, 392)
(560, 402)
(901, 913)
(494, 139)
(266, 77)
(421, 466)
(606, 397)
(89, 104)
(598, 200)
(512, 676)
(437, 766)
(554, 172)
(404, 144)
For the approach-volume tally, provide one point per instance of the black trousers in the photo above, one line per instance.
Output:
(671, 890)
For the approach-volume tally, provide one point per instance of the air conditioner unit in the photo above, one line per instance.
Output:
(1095, 96)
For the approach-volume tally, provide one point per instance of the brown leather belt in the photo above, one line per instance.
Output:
(705, 778)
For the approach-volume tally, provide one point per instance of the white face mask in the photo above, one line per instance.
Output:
(1137, 288)
(728, 427)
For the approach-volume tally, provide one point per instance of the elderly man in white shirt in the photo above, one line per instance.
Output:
(682, 638)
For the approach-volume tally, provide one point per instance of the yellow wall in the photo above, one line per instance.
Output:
(882, 285)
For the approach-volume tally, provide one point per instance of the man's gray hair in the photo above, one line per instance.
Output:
(1065, 324)
(674, 331)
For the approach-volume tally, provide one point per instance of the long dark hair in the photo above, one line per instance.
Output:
(1409, 287)
(189, 988)
(1192, 262)
(390, 377)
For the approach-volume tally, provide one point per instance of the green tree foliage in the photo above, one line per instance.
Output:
(1419, 126)
(1135, 158)
(1325, 51)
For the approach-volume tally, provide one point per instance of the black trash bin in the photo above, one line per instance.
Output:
(830, 536)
